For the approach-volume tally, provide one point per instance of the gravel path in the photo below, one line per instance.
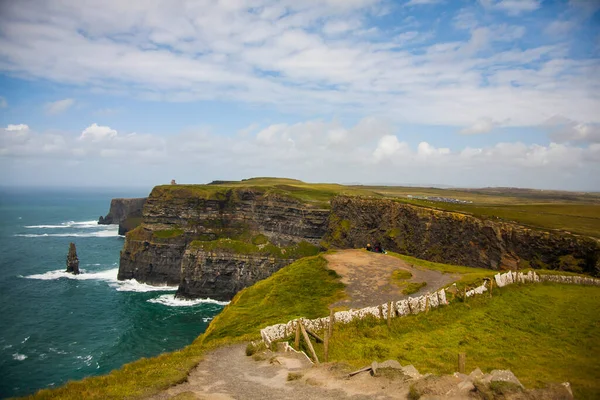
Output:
(227, 373)
(367, 277)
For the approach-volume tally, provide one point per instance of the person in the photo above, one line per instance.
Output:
(377, 248)
(369, 247)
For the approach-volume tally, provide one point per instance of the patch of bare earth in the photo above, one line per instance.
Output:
(367, 277)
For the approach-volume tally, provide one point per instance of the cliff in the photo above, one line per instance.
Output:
(456, 238)
(213, 241)
(125, 212)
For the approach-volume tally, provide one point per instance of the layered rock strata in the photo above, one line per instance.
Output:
(125, 212)
(455, 238)
(213, 242)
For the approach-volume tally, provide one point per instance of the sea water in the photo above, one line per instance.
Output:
(55, 326)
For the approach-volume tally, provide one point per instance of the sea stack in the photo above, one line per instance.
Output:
(72, 260)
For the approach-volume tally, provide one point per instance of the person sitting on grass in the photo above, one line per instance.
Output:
(369, 247)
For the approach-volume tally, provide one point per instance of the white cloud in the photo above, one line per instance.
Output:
(17, 128)
(3, 102)
(312, 150)
(565, 130)
(560, 28)
(387, 147)
(511, 7)
(483, 125)
(424, 149)
(58, 107)
(422, 2)
(281, 55)
(96, 133)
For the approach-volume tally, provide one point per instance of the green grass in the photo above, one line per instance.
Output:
(468, 276)
(168, 233)
(295, 251)
(543, 333)
(583, 219)
(304, 288)
(400, 277)
(312, 194)
(413, 287)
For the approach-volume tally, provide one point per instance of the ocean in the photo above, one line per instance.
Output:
(56, 327)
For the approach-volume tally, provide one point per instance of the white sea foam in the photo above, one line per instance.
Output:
(110, 276)
(171, 301)
(110, 232)
(19, 357)
(131, 285)
(68, 224)
(86, 359)
(26, 339)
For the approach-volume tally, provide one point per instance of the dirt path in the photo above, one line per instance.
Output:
(367, 277)
(227, 373)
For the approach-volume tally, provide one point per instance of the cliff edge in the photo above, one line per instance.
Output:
(125, 212)
(456, 238)
(214, 240)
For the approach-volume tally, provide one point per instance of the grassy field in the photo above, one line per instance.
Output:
(583, 219)
(567, 211)
(543, 333)
(467, 276)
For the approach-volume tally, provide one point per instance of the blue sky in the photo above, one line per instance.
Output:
(465, 93)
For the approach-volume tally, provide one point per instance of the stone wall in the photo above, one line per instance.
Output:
(414, 305)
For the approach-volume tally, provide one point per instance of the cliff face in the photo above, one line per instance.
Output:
(252, 227)
(220, 275)
(456, 238)
(125, 212)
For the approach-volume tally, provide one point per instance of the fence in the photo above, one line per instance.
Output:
(412, 305)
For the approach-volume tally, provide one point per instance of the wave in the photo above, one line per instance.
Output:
(131, 285)
(103, 233)
(110, 276)
(171, 301)
(68, 224)
(19, 357)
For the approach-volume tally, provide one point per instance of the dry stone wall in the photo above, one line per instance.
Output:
(413, 305)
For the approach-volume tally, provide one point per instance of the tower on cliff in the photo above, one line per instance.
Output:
(72, 260)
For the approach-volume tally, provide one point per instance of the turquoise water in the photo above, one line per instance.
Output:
(56, 327)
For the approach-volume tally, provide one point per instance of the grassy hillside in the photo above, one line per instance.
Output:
(543, 333)
(304, 288)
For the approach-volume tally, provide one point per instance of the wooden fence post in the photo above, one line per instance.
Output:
(297, 339)
(380, 311)
(461, 362)
(389, 314)
(427, 303)
(465, 295)
(491, 285)
(326, 347)
(331, 322)
(309, 344)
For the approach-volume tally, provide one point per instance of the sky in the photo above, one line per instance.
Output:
(464, 93)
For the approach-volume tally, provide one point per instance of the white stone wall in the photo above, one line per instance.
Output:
(415, 305)
(412, 305)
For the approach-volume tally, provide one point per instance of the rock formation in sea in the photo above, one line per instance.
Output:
(72, 260)
(214, 240)
(125, 212)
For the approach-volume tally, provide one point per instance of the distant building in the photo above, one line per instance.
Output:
(173, 182)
